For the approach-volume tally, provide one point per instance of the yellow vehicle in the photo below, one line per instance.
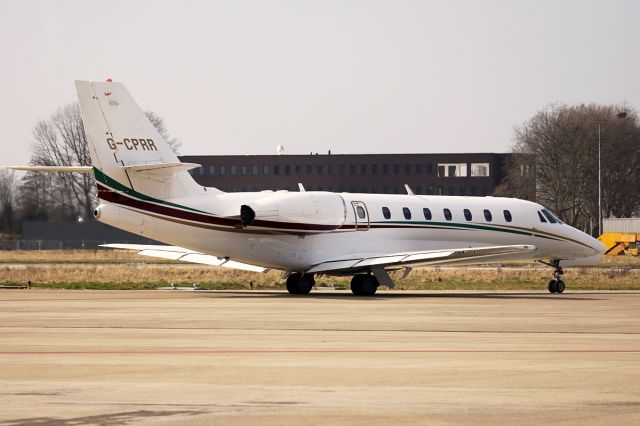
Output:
(621, 243)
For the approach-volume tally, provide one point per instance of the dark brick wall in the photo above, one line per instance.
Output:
(379, 173)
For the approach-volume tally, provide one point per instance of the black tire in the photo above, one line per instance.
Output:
(356, 285)
(293, 281)
(553, 286)
(305, 284)
(369, 285)
(559, 286)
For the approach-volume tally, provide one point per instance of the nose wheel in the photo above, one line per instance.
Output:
(556, 285)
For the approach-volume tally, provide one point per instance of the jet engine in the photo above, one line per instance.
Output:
(313, 211)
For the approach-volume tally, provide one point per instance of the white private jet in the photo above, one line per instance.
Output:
(144, 189)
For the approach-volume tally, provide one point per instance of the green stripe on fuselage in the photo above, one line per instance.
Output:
(114, 184)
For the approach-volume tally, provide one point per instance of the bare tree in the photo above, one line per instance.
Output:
(158, 123)
(564, 142)
(8, 187)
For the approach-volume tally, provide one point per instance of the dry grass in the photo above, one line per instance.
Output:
(118, 269)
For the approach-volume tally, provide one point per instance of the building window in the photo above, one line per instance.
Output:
(276, 170)
(467, 215)
(507, 216)
(487, 215)
(418, 190)
(319, 169)
(254, 170)
(429, 169)
(352, 169)
(330, 169)
(212, 170)
(385, 169)
(396, 190)
(386, 213)
(223, 170)
(452, 190)
(287, 169)
(309, 169)
(265, 170)
(462, 191)
(341, 169)
(447, 214)
(396, 169)
(406, 212)
(439, 190)
(243, 170)
(374, 169)
(427, 213)
(452, 170)
(430, 190)
(407, 169)
(363, 169)
(298, 169)
(418, 169)
(234, 170)
(480, 169)
(474, 191)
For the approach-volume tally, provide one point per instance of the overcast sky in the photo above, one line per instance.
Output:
(241, 77)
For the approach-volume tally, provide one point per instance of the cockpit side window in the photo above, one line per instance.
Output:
(542, 219)
(549, 216)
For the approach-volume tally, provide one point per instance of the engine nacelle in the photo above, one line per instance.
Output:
(313, 211)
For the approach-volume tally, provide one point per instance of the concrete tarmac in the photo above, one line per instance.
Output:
(238, 357)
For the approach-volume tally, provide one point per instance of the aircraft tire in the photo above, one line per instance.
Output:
(559, 286)
(356, 285)
(305, 284)
(293, 281)
(369, 285)
(553, 286)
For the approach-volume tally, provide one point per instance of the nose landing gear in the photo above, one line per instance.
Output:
(556, 285)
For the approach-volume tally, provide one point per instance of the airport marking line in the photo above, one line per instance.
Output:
(310, 350)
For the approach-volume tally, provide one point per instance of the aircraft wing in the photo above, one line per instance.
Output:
(420, 258)
(185, 255)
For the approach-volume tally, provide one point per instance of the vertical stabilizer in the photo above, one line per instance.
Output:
(122, 139)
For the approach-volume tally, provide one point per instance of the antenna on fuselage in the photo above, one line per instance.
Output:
(409, 190)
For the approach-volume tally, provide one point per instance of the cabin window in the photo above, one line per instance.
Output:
(487, 215)
(549, 216)
(467, 214)
(507, 216)
(427, 213)
(406, 212)
(386, 213)
(542, 219)
(361, 213)
(447, 214)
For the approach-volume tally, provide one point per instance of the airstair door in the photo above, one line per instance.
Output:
(361, 214)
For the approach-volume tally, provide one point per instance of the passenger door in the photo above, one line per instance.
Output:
(361, 214)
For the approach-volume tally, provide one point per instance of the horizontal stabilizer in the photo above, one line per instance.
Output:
(185, 255)
(74, 169)
(161, 167)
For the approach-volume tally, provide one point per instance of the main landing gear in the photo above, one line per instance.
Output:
(556, 285)
(300, 284)
(364, 285)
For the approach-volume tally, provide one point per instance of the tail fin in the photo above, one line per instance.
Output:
(126, 150)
